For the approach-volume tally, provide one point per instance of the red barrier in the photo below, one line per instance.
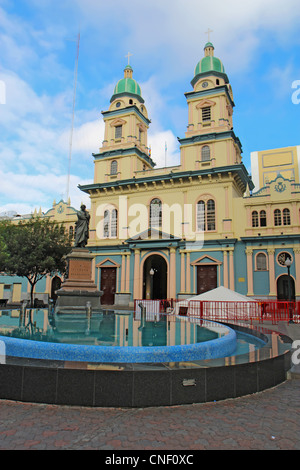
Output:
(259, 310)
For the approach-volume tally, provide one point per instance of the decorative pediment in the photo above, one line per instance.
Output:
(205, 104)
(151, 234)
(107, 263)
(206, 259)
(117, 122)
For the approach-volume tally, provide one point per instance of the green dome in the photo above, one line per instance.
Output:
(209, 64)
(127, 86)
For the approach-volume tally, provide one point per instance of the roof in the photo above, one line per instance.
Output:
(221, 294)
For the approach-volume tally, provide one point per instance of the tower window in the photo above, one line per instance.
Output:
(114, 167)
(206, 114)
(130, 101)
(118, 132)
(205, 153)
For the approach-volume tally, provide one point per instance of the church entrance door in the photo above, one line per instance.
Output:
(206, 278)
(108, 285)
(155, 278)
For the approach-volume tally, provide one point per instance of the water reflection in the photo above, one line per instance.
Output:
(109, 328)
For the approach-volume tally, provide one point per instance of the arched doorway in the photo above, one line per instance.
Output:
(55, 286)
(155, 278)
(283, 287)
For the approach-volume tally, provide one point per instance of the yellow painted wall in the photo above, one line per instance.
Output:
(283, 160)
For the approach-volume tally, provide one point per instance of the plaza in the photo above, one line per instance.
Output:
(159, 238)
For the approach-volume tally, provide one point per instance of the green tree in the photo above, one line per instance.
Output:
(33, 249)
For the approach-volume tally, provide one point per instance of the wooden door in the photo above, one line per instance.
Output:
(108, 285)
(206, 278)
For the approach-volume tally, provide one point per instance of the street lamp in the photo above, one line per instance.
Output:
(151, 283)
(288, 263)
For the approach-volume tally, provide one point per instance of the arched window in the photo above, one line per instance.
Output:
(114, 167)
(286, 217)
(254, 219)
(114, 222)
(263, 219)
(155, 213)
(71, 232)
(261, 262)
(205, 153)
(201, 216)
(106, 224)
(277, 217)
(206, 215)
(211, 215)
(110, 223)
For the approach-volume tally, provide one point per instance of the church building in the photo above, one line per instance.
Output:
(178, 231)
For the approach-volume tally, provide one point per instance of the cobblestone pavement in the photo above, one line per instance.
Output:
(267, 420)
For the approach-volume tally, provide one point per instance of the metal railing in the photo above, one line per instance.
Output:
(258, 310)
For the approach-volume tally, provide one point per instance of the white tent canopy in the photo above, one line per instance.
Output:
(221, 294)
(219, 304)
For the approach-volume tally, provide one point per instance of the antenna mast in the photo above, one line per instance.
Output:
(73, 115)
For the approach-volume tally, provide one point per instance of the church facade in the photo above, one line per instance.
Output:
(178, 231)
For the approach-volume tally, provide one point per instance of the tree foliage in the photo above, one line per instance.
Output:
(33, 249)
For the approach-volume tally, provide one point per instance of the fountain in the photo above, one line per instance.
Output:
(72, 357)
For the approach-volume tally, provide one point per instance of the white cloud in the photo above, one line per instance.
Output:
(159, 154)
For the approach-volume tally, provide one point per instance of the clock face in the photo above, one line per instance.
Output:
(204, 84)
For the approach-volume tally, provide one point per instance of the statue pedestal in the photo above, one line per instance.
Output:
(79, 287)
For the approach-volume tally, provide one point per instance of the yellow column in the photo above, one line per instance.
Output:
(249, 253)
(123, 273)
(225, 269)
(182, 273)
(272, 281)
(172, 274)
(127, 282)
(136, 275)
(188, 272)
(231, 270)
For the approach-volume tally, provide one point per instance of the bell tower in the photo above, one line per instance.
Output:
(124, 151)
(209, 138)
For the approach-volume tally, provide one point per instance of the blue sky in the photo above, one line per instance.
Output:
(258, 42)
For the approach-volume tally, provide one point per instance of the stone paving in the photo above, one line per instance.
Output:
(269, 420)
(264, 421)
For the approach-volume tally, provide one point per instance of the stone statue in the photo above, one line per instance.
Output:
(82, 227)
